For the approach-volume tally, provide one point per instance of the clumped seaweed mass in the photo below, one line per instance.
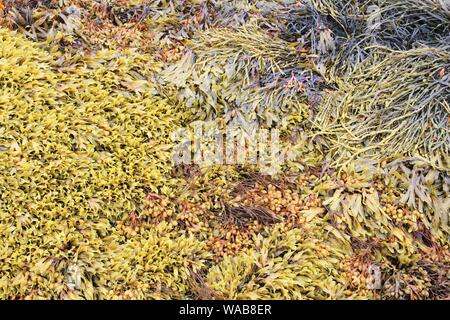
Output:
(92, 205)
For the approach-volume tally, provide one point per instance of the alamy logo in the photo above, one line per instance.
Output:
(374, 18)
(374, 279)
(237, 143)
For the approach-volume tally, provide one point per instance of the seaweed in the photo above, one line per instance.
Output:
(93, 204)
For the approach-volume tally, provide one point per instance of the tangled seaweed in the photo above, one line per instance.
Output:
(92, 205)
(392, 104)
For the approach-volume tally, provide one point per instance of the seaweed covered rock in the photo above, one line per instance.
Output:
(393, 104)
(93, 204)
(82, 142)
(248, 70)
(283, 265)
